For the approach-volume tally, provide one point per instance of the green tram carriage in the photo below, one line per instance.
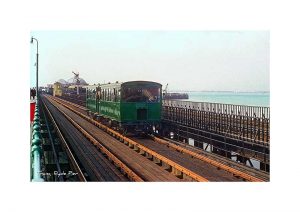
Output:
(129, 106)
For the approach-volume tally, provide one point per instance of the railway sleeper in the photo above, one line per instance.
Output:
(142, 152)
(166, 167)
(177, 173)
(127, 142)
(130, 174)
(149, 156)
(156, 160)
(120, 138)
(188, 178)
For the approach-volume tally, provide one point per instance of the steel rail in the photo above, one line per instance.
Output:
(75, 105)
(53, 147)
(181, 149)
(131, 174)
(66, 146)
(210, 161)
(262, 175)
(184, 170)
(71, 99)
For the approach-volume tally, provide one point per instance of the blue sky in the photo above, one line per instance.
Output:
(187, 60)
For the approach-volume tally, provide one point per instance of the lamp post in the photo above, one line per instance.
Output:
(37, 64)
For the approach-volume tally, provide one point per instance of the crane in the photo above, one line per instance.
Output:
(77, 81)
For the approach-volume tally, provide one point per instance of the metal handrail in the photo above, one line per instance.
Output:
(36, 149)
(230, 109)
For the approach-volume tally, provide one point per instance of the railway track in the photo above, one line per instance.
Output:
(74, 163)
(86, 159)
(233, 167)
(193, 164)
(135, 166)
(75, 99)
(185, 163)
(191, 150)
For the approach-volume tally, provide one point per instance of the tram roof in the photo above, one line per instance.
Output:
(141, 82)
(116, 84)
(119, 84)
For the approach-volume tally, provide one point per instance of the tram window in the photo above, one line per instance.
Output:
(119, 94)
(98, 94)
(114, 96)
(109, 94)
(141, 94)
(92, 94)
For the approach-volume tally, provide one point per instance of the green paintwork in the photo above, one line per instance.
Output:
(129, 111)
(91, 105)
(124, 112)
(110, 110)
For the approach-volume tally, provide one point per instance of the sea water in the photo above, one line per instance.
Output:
(237, 98)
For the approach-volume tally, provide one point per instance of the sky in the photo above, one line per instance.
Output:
(186, 60)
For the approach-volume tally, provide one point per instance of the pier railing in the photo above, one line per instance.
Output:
(230, 109)
(248, 123)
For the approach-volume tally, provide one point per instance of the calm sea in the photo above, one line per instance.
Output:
(238, 98)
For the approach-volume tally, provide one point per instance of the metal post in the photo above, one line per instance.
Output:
(37, 64)
(37, 71)
(36, 166)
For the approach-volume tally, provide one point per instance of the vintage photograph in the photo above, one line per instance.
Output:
(149, 106)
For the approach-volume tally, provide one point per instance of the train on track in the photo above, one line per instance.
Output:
(133, 106)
